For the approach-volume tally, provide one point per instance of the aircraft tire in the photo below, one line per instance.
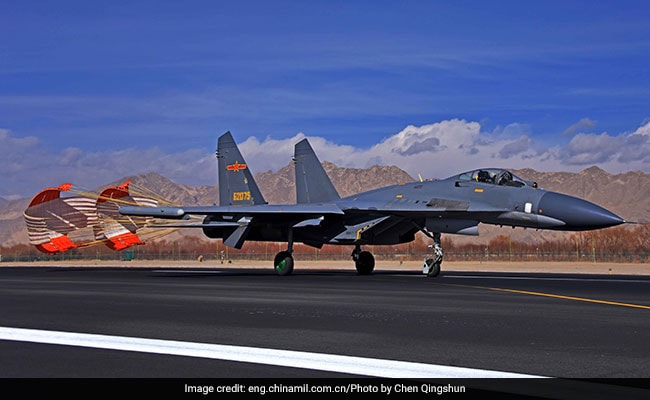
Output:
(434, 268)
(365, 263)
(283, 263)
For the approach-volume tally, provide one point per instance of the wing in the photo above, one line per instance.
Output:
(235, 224)
(267, 211)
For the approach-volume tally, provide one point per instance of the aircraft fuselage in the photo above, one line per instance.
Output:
(393, 214)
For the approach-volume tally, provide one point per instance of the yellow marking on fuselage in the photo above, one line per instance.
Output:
(360, 231)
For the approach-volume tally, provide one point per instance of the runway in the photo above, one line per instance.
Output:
(460, 325)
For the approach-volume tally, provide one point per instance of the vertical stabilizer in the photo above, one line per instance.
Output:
(236, 184)
(312, 183)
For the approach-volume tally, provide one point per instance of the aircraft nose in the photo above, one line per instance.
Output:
(578, 214)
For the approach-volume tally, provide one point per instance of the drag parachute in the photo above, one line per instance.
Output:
(63, 218)
(56, 224)
(120, 231)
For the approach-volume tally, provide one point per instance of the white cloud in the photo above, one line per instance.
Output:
(270, 154)
(28, 167)
(434, 150)
(617, 153)
(587, 148)
(444, 148)
(584, 123)
(643, 130)
(516, 147)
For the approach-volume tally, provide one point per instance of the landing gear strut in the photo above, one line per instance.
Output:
(283, 262)
(364, 261)
(432, 264)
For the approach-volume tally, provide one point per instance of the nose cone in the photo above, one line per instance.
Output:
(578, 214)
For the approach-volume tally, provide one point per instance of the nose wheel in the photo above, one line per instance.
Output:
(431, 266)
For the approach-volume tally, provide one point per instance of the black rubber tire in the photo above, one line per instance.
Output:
(434, 270)
(365, 263)
(283, 263)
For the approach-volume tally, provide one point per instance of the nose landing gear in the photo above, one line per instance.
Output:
(431, 266)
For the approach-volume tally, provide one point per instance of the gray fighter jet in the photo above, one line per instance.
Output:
(386, 216)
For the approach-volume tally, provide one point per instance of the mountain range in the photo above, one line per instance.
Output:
(626, 194)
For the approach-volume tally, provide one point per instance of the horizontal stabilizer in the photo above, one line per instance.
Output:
(308, 211)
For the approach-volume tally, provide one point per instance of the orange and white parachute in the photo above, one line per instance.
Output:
(64, 218)
(54, 223)
(120, 231)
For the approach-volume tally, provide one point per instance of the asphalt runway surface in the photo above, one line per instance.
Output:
(249, 323)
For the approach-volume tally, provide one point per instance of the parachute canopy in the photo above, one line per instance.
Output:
(120, 231)
(62, 218)
(53, 221)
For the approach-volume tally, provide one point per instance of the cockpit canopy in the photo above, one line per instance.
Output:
(495, 176)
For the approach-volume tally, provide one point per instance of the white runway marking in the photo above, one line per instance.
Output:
(296, 359)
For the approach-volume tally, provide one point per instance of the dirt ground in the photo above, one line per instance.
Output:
(477, 266)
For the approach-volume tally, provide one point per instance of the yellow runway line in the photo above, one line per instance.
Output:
(557, 296)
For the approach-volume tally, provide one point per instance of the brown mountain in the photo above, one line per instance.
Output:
(170, 191)
(626, 194)
(279, 187)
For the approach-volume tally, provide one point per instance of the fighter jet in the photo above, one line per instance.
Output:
(386, 216)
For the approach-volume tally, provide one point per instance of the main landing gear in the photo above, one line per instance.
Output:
(283, 261)
(364, 261)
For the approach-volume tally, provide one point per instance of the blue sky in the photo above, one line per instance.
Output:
(93, 91)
